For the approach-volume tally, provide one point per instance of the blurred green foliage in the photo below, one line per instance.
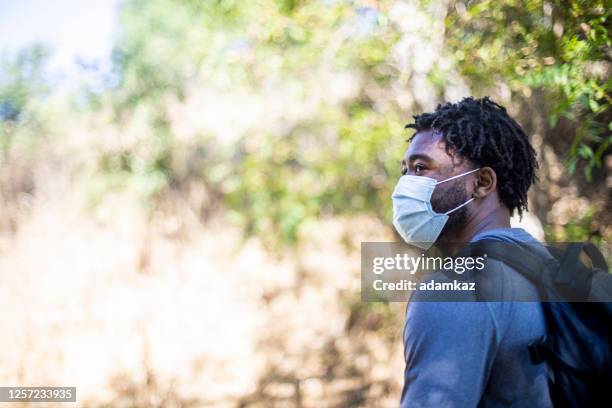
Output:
(23, 83)
(336, 159)
(580, 229)
(561, 47)
(341, 157)
(336, 155)
(295, 178)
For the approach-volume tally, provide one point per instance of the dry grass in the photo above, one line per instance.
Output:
(142, 311)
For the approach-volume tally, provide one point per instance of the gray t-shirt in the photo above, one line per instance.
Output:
(475, 354)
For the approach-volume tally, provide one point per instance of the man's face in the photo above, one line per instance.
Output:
(427, 156)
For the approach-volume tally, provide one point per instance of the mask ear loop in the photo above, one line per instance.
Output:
(455, 209)
(457, 176)
(452, 178)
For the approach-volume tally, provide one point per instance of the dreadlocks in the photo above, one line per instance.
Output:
(481, 131)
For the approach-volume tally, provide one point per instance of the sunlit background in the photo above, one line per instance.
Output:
(184, 185)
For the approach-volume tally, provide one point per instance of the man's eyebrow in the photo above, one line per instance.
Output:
(419, 156)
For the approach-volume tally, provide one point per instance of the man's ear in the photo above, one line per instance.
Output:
(485, 182)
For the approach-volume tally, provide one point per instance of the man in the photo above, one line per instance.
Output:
(480, 165)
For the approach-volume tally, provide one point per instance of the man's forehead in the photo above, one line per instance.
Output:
(427, 143)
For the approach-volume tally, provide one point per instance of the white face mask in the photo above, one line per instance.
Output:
(413, 217)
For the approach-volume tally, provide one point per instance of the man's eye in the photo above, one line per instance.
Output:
(418, 168)
(404, 171)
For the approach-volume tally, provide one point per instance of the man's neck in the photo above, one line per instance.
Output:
(477, 222)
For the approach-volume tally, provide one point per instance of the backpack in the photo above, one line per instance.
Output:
(576, 300)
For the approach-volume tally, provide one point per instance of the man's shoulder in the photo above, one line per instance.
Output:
(509, 234)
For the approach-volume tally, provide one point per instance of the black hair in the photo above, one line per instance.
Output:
(481, 131)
